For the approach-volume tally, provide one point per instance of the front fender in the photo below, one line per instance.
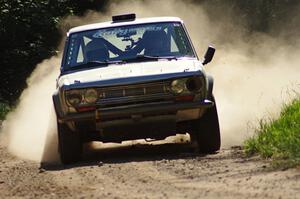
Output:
(210, 82)
(57, 105)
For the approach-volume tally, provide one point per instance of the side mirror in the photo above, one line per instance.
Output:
(209, 55)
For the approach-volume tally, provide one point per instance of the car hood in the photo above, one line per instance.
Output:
(116, 71)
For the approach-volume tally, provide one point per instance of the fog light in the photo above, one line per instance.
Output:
(86, 108)
(185, 98)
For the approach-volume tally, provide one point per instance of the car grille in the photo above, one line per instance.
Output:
(134, 94)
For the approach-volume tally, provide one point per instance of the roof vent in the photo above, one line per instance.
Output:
(125, 17)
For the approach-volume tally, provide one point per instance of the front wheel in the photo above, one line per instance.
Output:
(70, 145)
(206, 131)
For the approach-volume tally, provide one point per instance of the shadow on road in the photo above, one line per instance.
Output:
(123, 153)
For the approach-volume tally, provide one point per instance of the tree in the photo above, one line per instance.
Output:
(28, 34)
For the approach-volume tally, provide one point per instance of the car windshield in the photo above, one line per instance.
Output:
(143, 42)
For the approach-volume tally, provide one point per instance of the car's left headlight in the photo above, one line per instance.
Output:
(190, 85)
(178, 86)
(194, 84)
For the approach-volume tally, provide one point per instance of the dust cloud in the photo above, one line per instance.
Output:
(28, 130)
(253, 74)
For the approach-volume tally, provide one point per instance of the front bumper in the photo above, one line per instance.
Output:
(137, 109)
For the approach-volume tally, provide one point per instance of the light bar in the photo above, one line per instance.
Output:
(125, 17)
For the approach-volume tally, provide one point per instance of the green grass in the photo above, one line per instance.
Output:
(279, 139)
(4, 109)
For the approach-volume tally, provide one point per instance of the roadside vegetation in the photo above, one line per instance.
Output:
(4, 109)
(279, 139)
(30, 32)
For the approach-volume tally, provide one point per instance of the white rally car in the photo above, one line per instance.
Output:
(133, 79)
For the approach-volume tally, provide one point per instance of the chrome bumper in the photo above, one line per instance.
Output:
(137, 109)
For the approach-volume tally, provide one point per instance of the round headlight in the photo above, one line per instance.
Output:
(194, 84)
(74, 97)
(91, 96)
(177, 86)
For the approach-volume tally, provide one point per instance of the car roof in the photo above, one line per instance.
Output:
(123, 23)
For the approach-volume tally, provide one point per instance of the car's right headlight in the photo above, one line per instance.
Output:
(74, 97)
(91, 96)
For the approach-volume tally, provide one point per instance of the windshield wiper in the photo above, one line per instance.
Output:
(148, 58)
(96, 64)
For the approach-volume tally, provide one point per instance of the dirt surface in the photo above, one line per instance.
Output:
(148, 171)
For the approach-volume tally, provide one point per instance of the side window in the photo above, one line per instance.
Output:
(80, 56)
(75, 53)
(181, 41)
(70, 52)
(174, 48)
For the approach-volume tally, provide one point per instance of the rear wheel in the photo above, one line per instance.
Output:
(206, 131)
(70, 144)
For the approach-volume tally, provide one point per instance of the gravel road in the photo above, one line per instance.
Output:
(148, 171)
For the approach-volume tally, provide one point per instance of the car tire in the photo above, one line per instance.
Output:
(70, 144)
(206, 131)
